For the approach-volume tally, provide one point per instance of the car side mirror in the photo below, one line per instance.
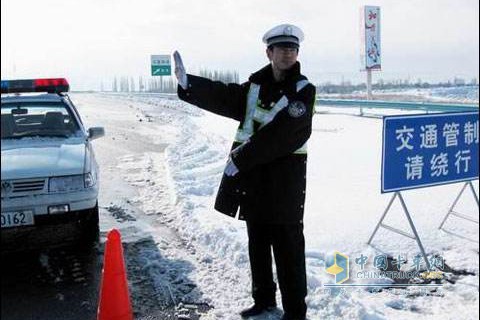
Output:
(95, 133)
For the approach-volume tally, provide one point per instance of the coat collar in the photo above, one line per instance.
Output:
(266, 74)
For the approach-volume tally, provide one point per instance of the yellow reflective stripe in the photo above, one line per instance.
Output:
(241, 136)
(244, 133)
(301, 84)
(302, 149)
(259, 114)
(254, 112)
(268, 116)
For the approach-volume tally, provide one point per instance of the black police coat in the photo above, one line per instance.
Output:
(270, 185)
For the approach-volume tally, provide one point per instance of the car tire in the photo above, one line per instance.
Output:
(90, 228)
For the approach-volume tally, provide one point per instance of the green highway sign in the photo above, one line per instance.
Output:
(161, 65)
(161, 70)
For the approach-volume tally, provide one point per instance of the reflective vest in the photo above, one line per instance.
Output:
(256, 113)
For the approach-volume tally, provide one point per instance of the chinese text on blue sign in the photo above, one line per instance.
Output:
(429, 149)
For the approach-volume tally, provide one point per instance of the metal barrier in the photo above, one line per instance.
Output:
(378, 104)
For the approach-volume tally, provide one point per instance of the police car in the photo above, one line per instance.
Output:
(49, 174)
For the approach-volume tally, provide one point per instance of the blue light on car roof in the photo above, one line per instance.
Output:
(4, 85)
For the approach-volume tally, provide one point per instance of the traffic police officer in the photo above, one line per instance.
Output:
(265, 176)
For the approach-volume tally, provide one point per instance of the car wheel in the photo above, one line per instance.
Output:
(90, 228)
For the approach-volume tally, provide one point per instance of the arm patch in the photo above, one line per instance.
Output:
(296, 109)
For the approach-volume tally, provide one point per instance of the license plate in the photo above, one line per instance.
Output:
(17, 218)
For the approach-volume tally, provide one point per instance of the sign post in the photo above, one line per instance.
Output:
(370, 40)
(403, 233)
(458, 214)
(161, 65)
(369, 84)
(428, 150)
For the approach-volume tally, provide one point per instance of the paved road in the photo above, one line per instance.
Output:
(56, 284)
(63, 284)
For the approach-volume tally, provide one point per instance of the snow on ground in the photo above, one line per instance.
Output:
(449, 95)
(174, 181)
(461, 94)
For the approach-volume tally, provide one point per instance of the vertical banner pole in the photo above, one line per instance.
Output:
(369, 84)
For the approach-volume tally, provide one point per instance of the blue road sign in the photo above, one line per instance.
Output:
(429, 149)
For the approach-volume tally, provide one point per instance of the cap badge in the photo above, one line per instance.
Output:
(288, 31)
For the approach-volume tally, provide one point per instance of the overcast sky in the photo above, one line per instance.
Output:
(89, 41)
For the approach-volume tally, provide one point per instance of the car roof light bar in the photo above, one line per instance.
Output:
(51, 85)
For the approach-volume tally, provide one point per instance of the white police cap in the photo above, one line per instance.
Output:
(286, 33)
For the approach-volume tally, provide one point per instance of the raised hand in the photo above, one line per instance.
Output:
(180, 72)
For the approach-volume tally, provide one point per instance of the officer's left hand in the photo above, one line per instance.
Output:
(231, 169)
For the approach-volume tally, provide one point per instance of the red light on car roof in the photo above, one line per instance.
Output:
(51, 85)
(50, 82)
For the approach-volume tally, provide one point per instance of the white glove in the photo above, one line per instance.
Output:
(180, 70)
(231, 169)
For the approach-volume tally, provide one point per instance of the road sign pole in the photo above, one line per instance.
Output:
(474, 192)
(459, 215)
(412, 225)
(453, 205)
(401, 232)
(383, 217)
(369, 84)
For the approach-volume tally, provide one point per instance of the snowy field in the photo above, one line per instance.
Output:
(455, 95)
(462, 94)
(161, 163)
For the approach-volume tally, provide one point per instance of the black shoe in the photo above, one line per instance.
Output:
(287, 317)
(257, 309)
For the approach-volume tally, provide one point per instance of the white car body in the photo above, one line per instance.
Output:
(48, 181)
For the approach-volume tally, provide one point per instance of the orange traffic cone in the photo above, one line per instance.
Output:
(114, 301)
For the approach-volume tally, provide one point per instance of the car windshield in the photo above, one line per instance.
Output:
(37, 119)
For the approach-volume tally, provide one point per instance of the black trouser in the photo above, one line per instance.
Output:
(289, 251)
